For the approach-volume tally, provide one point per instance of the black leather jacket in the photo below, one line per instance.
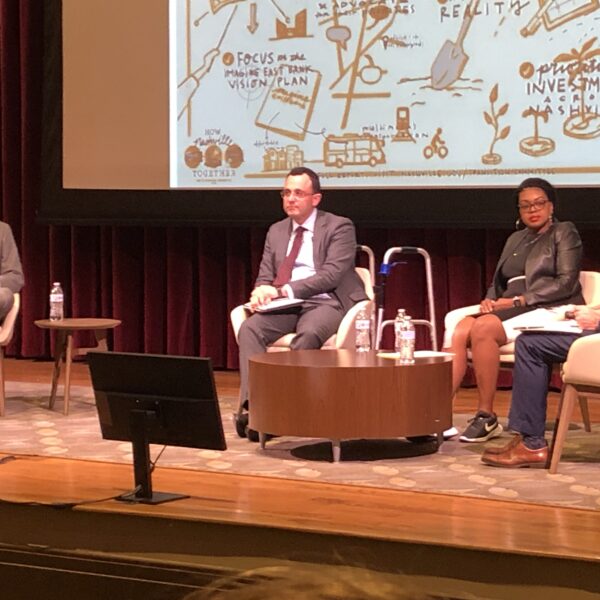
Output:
(551, 269)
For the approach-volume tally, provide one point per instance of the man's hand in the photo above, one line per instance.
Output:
(587, 318)
(262, 295)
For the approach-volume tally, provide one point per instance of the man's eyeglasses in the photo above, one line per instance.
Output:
(300, 194)
(535, 205)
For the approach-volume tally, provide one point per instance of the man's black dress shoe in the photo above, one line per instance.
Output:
(241, 423)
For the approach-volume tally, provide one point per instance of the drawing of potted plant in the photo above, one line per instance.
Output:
(493, 118)
(583, 124)
(536, 145)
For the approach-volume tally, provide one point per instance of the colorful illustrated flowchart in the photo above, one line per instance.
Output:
(384, 93)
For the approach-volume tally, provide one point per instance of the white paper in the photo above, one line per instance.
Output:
(276, 304)
(567, 326)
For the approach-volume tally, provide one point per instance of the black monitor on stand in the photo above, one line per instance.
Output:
(155, 399)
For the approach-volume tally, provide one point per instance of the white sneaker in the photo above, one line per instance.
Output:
(450, 433)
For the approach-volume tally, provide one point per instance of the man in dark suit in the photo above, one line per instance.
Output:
(322, 274)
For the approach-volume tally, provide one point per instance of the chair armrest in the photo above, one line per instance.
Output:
(452, 319)
(581, 366)
(7, 328)
(345, 333)
(237, 316)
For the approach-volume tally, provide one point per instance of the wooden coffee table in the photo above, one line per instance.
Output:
(342, 394)
(64, 347)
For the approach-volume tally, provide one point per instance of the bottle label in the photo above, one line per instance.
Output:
(363, 324)
(408, 334)
(56, 297)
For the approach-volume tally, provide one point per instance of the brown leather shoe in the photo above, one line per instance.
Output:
(516, 454)
(501, 449)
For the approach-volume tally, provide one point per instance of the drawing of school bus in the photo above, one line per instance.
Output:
(353, 149)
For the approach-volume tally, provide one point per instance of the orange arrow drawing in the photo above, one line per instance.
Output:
(253, 25)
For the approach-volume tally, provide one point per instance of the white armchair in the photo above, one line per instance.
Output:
(7, 330)
(343, 338)
(581, 380)
(590, 284)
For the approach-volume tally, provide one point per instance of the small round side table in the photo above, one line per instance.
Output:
(64, 347)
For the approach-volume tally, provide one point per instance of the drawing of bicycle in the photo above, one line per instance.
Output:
(437, 146)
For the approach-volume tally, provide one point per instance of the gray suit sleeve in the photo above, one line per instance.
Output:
(11, 272)
(267, 270)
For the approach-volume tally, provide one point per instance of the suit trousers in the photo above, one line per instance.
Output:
(7, 299)
(535, 353)
(314, 322)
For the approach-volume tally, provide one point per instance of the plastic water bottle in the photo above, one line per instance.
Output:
(362, 325)
(407, 342)
(57, 302)
(398, 324)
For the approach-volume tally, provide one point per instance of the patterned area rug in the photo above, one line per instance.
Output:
(30, 428)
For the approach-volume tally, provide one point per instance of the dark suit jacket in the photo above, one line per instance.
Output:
(334, 252)
(551, 269)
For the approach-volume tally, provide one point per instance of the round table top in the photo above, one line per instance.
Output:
(78, 323)
(344, 358)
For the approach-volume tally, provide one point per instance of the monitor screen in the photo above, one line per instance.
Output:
(178, 391)
(155, 399)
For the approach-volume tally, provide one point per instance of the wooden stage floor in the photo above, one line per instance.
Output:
(487, 548)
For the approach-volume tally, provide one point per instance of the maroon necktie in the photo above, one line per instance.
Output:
(284, 273)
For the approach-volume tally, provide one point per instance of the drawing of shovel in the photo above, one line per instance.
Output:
(451, 59)
(536, 20)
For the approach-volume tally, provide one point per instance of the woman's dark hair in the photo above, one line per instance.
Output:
(314, 178)
(536, 182)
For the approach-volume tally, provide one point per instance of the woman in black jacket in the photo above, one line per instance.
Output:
(539, 267)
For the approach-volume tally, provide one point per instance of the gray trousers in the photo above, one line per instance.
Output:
(7, 299)
(314, 323)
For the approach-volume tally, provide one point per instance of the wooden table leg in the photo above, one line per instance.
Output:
(101, 335)
(58, 354)
(2, 381)
(336, 447)
(68, 359)
(101, 343)
(262, 438)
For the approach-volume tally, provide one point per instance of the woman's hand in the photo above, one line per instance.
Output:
(503, 303)
(487, 305)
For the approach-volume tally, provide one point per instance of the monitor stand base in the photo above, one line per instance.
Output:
(154, 498)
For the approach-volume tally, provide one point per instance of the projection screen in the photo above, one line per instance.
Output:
(186, 111)
(384, 93)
